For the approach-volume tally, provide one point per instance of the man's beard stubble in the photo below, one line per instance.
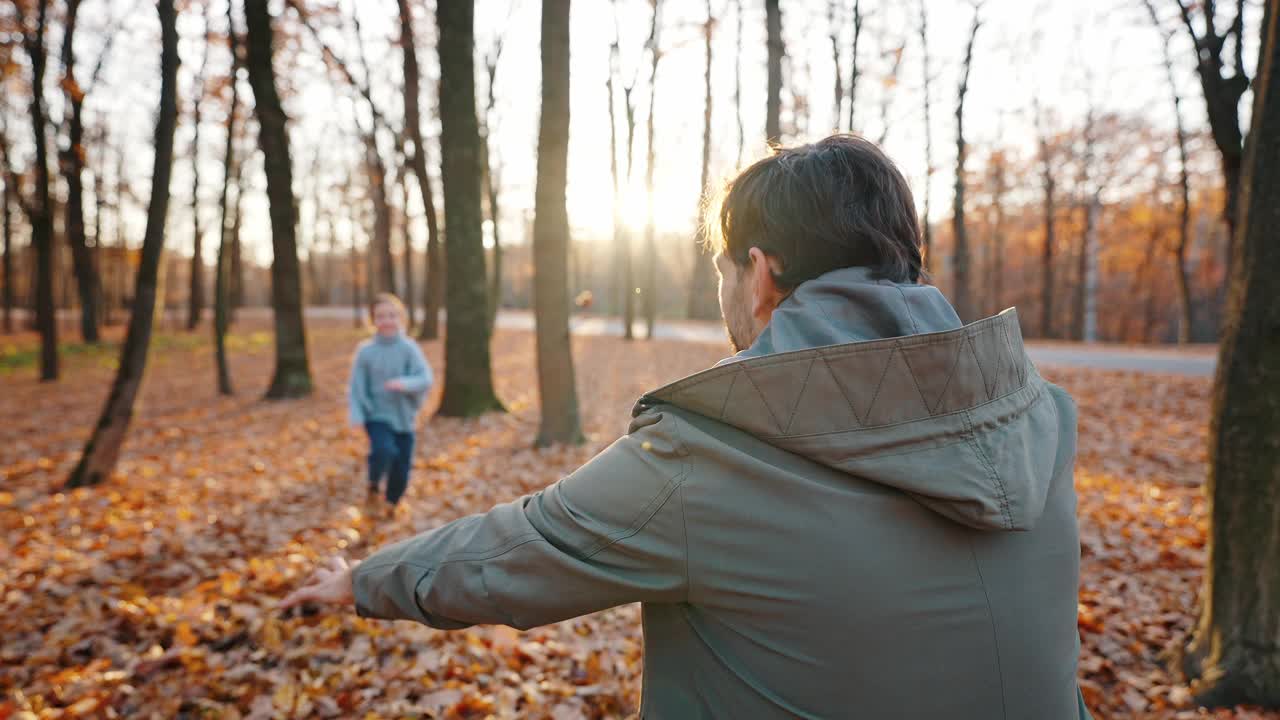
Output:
(737, 323)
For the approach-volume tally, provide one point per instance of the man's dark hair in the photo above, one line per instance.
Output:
(836, 203)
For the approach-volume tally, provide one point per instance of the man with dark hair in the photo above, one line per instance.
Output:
(868, 511)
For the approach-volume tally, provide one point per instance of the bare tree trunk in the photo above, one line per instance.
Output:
(1222, 93)
(556, 387)
(220, 289)
(737, 84)
(855, 72)
(495, 271)
(1184, 226)
(702, 286)
(99, 204)
(357, 303)
(928, 139)
(962, 295)
(382, 265)
(621, 244)
(6, 206)
(621, 179)
(1090, 282)
(119, 284)
(103, 449)
(402, 184)
(833, 34)
(195, 296)
(886, 99)
(650, 244)
(468, 382)
(1234, 655)
(311, 290)
(71, 162)
(1050, 182)
(430, 328)
(999, 187)
(492, 181)
(39, 210)
(236, 281)
(384, 275)
(773, 106)
(292, 376)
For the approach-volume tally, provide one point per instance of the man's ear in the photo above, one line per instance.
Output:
(765, 293)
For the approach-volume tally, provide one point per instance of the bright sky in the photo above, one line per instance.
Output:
(1064, 51)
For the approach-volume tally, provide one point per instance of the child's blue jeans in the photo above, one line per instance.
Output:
(390, 454)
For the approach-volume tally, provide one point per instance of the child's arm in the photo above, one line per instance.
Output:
(419, 379)
(357, 391)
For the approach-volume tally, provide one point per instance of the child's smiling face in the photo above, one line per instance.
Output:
(386, 319)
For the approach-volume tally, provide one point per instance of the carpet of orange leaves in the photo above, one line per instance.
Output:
(152, 595)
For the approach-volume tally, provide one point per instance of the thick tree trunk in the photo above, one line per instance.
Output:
(221, 291)
(773, 104)
(962, 295)
(40, 209)
(468, 382)
(1234, 656)
(430, 328)
(926, 225)
(71, 163)
(556, 388)
(702, 287)
(103, 448)
(292, 376)
(650, 241)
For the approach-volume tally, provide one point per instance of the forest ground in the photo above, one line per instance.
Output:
(152, 595)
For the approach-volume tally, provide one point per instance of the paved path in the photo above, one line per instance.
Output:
(1198, 360)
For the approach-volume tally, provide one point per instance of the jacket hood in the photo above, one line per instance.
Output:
(881, 381)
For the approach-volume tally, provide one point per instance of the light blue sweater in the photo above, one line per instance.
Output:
(378, 360)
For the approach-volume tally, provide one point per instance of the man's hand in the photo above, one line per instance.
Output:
(330, 584)
(393, 386)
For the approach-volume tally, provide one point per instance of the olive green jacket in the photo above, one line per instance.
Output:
(869, 513)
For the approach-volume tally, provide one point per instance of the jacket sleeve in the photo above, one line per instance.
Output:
(611, 533)
(357, 391)
(418, 380)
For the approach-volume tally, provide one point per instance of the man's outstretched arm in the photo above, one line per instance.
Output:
(611, 533)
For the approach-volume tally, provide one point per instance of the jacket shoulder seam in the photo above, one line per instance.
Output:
(650, 510)
(972, 438)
